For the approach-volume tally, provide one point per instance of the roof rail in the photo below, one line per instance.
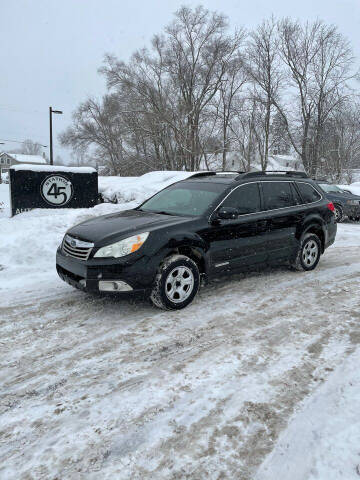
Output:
(290, 173)
(202, 174)
(214, 172)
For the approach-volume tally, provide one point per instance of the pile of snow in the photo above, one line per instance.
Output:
(353, 188)
(4, 199)
(322, 440)
(127, 189)
(53, 168)
(28, 241)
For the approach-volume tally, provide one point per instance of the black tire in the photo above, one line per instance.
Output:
(339, 214)
(176, 283)
(308, 255)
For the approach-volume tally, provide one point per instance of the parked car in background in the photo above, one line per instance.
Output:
(345, 203)
(208, 225)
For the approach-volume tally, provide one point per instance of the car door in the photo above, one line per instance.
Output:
(282, 210)
(240, 241)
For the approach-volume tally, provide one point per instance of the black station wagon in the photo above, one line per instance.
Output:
(205, 226)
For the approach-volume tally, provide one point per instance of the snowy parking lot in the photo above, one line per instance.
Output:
(94, 387)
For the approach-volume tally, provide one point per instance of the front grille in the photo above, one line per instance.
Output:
(72, 247)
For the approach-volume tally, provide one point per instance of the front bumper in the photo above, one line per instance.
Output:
(138, 274)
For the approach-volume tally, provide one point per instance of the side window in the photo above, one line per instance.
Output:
(295, 194)
(277, 195)
(245, 198)
(308, 192)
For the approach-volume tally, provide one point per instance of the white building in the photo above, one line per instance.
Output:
(9, 159)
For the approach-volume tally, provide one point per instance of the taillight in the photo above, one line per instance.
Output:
(330, 206)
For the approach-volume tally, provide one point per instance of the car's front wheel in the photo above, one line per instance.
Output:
(176, 283)
(309, 253)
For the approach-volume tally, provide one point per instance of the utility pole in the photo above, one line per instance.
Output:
(51, 111)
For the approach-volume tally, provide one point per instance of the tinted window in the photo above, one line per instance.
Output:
(184, 198)
(245, 198)
(295, 194)
(277, 195)
(308, 193)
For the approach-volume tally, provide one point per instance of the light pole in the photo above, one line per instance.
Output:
(51, 111)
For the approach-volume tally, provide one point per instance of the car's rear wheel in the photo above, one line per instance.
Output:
(309, 253)
(339, 214)
(176, 283)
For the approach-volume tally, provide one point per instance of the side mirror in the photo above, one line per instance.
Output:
(228, 213)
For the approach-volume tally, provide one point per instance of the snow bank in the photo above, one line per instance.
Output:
(53, 168)
(4, 199)
(28, 242)
(322, 440)
(127, 189)
(353, 188)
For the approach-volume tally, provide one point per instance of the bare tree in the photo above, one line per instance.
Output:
(30, 147)
(266, 73)
(235, 78)
(198, 93)
(318, 60)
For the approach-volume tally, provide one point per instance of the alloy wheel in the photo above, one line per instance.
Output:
(179, 284)
(310, 253)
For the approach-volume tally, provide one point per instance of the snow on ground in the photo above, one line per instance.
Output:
(4, 199)
(322, 439)
(94, 387)
(353, 188)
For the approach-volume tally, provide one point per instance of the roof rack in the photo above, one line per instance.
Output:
(215, 172)
(290, 173)
(202, 174)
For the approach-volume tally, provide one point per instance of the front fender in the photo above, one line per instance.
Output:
(163, 247)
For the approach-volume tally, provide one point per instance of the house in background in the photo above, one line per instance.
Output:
(7, 160)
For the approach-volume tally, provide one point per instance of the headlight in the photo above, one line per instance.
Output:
(352, 202)
(124, 247)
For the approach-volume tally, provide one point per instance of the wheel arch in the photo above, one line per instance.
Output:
(318, 229)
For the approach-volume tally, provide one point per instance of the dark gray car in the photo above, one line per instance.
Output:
(345, 203)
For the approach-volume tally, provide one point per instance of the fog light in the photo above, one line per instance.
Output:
(83, 283)
(114, 286)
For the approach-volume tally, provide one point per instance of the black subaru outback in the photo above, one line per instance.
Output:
(208, 225)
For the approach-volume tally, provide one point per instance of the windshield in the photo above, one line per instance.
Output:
(330, 188)
(184, 198)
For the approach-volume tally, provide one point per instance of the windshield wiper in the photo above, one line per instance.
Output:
(162, 212)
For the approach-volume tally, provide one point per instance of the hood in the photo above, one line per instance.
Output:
(342, 196)
(123, 224)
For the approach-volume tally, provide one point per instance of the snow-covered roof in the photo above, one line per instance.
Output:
(53, 168)
(20, 157)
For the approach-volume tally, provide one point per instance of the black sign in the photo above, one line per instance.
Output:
(52, 188)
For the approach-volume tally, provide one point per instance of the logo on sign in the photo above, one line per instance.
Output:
(56, 190)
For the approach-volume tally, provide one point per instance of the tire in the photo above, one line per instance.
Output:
(309, 253)
(176, 283)
(339, 214)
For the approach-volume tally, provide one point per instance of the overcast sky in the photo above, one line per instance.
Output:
(50, 50)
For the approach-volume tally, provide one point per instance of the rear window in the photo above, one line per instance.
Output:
(308, 193)
(277, 195)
